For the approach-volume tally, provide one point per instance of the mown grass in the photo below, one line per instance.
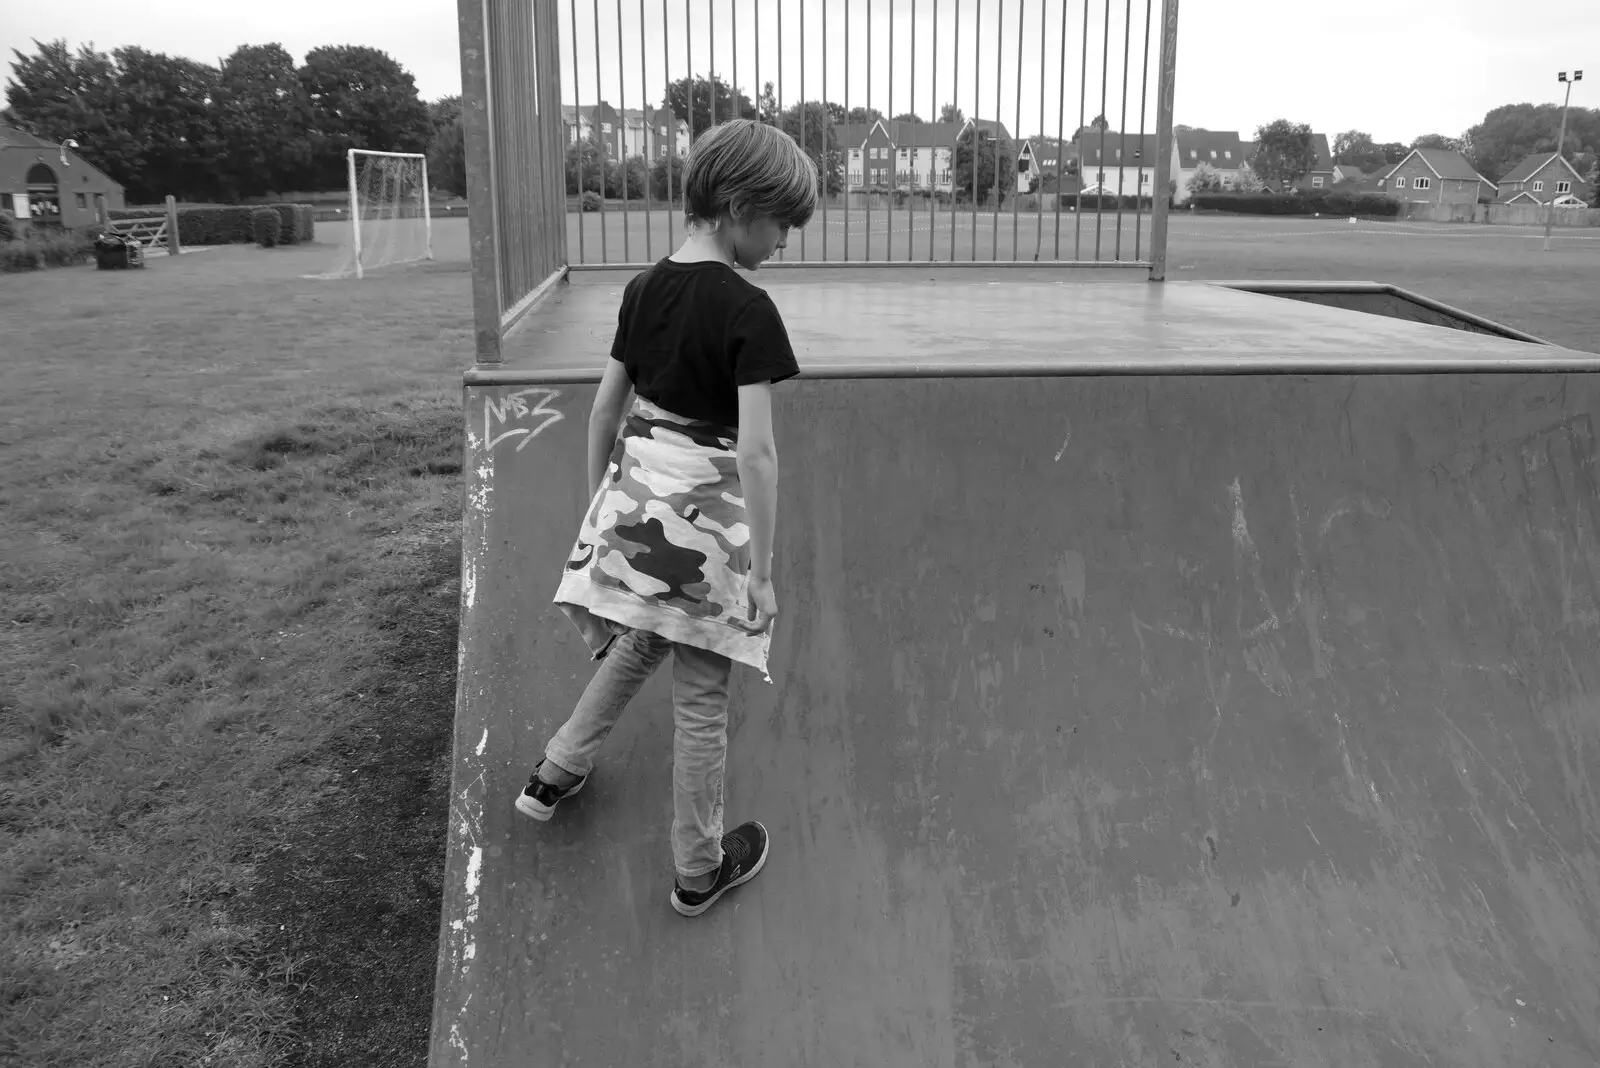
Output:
(230, 505)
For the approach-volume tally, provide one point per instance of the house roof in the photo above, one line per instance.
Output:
(1534, 164)
(1444, 163)
(1139, 152)
(1319, 145)
(913, 134)
(11, 137)
(1196, 146)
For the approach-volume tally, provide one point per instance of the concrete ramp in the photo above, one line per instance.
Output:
(1226, 721)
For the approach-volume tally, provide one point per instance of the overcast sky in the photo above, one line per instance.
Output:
(1396, 70)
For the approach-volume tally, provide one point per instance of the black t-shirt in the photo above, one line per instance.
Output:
(690, 334)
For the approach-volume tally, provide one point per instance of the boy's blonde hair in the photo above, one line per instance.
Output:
(745, 168)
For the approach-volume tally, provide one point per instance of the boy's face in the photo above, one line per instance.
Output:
(758, 240)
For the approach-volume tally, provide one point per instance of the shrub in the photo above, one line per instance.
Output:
(8, 228)
(266, 224)
(1325, 203)
(591, 201)
(42, 247)
(214, 225)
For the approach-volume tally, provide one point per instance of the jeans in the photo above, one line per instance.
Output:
(700, 736)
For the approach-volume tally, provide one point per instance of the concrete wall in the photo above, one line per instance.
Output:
(1500, 214)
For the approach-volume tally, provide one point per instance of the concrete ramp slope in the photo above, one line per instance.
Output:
(1225, 721)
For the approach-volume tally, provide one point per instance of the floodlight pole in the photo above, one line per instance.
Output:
(1561, 143)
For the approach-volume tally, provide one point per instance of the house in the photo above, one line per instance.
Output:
(1436, 176)
(1545, 178)
(647, 132)
(908, 155)
(1221, 150)
(1348, 172)
(46, 184)
(1057, 162)
(1321, 175)
(1120, 164)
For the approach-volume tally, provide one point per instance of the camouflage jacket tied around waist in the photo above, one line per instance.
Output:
(665, 544)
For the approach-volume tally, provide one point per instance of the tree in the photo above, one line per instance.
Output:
(1357, 148)
(167, 104)
(908, 116)
(447, 150)
(860, 114)
(1205, 180)
(982, 161)
(58, 94)
(261, 120)
(585, 163)
(1249, 180)
(1284, 152)
(1512, 132)
(702, 91)
(666, 178)
(359, 97)
(1434, 140)
(767, 105)
(811, 125)
(951, 113)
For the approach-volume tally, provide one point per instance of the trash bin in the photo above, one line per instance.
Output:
(113, 251)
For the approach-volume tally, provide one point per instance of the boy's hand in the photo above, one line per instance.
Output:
(763, 604)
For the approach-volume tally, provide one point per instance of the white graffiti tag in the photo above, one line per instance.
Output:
(516, 406)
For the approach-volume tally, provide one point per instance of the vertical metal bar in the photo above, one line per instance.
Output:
(622, 109)
(1105, 75)
(933, 146)
(803, 107)
(1122, 121)
(672, 115)
(1061, 123)
(1016, 174)
(1164, 98)
(605, 149)
(778, 99)
(1144, 98)
(827, 155)
(477, 116)
(955, 99)
(977, 104)
(711, 64)
(894, 148)
(577, 131)
(866, 171)
(999, 70)
(648, 116)
(688, 79)
(738, 102)
(849, 146)
(911, 201)
(1038, 205)
(1082, 140)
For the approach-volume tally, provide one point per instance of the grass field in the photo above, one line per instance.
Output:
(231, 507)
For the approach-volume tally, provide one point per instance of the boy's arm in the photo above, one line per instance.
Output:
(758, 473)
(610, 402)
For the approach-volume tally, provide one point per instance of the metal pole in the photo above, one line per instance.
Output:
(1016, 170)
(355, 213)
(894, 148)
(1105, 77)
(577, 130)
(1561, 143)
(911, 201)
(847, 125)
(803, 107)
(999, 70)
(829, 128)
(1144, 97)
(605, 149)
(1083, 141)
(778, 101)
(650, 128)
(866, 171)
(1122, 120)
(622, 153)
(427, 214)
(977, 104)
(1061, 124)
(711, 64)
(1164, 100)
(1038, 206)
(933, 119)
(955, 99)
(672, 115)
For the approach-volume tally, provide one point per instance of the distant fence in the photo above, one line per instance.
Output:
(1501, 214)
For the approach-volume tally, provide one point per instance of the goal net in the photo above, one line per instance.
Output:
(388, 219)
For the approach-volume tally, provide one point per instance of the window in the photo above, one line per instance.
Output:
(1538, 187)
(1194, 153)
(1400, 183)
(1227, 153)
(1213, 153)
(1316, 183)
(1100, 176)
(1144, 179)
(1561, 187)
(1421, 183)
(663, 131)
(605, 127)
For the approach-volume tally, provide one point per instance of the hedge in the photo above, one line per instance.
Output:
(40, 247)
(265, 224)
(232, 225)
(1297, 203)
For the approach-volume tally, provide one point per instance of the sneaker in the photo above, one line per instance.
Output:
(539, 799)
(744, 852)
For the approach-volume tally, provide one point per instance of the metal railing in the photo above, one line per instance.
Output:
(945, 131)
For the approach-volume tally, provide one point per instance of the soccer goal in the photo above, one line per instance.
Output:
(391, 221)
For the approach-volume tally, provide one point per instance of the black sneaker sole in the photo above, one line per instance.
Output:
(685, 909)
